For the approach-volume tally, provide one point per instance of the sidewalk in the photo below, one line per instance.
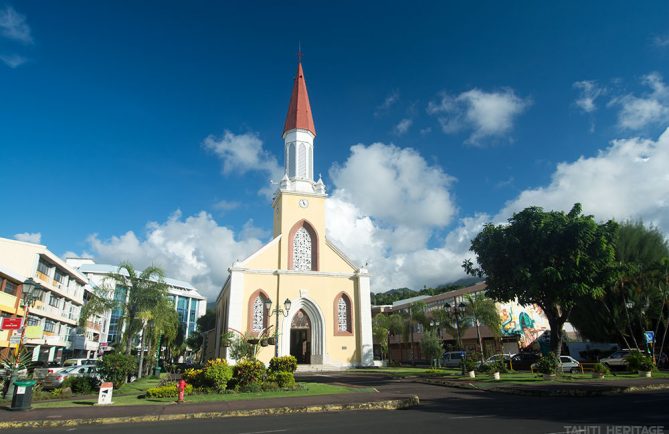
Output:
(565, 388)
(86, 415)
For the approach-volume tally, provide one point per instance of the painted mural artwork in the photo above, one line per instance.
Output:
(527, 322)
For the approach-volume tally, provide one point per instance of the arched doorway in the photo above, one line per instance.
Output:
(300, 337)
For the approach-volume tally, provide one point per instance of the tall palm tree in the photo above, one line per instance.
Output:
(480, 309)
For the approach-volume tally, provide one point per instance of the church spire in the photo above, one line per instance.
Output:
(299, 109)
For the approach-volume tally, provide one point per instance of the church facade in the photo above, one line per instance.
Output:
(320, 308)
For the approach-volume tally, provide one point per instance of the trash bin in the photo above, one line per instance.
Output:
(156, 371)
(23, 395)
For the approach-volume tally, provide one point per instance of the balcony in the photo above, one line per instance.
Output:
(79, 342)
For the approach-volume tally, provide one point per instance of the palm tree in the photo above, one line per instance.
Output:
(382, 327)
(480, 309)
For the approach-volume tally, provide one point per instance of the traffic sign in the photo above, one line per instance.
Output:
(11, 323)
(650, 336)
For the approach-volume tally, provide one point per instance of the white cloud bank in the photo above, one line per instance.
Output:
(387, 203)
(487, 115)
(648, 109)
(13, 26)
(30, 237)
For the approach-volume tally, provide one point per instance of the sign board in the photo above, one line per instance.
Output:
(20, 390)
(105, 396)
(650, 336)
(34, 332)
(104, 344)
(15, 339)
(11, 323)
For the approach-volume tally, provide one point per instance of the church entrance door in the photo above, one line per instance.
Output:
(300, 337)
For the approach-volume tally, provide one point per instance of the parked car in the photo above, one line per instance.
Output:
(52, 381)
(570, 364)
(42, 369)
(452, 359)
(78, 362)
(524, 361)
(616, 360)
(494, 358)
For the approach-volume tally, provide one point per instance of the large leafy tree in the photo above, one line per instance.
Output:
(383, 326)
(548, 258)
(638, 299)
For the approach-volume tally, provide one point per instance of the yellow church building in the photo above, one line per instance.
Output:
(299, 287)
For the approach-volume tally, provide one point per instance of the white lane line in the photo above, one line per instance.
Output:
(471, 417)
(264, 432)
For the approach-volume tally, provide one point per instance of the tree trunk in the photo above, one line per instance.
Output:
(478, 335)
(557, 334)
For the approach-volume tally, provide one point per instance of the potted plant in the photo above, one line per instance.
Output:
(600, 370)
(470, 366)
(548, 365)
(638, 361)
(271, 340)
(498, 367)
(263, 342)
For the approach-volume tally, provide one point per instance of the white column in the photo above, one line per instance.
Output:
(365, 319)
(236, 302)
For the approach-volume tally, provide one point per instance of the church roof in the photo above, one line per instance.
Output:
(299, 109)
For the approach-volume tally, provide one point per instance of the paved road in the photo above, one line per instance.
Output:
(442, 410)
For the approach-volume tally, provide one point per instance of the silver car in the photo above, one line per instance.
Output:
(55, 380)
(570, 364)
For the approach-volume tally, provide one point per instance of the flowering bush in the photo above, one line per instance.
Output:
(195, 377)
(282, 379)
(248, 373)
(169, 391)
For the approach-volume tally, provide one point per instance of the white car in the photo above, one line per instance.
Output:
(617, 359)
(570, 364)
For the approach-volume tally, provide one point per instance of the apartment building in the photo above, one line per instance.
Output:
(10, 307)
(57, 311)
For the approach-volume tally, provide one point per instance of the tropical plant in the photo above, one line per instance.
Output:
(431, 346)
(242, 347)
(600, 368)
(248, 373)
(548, 364)
(470, 362)
(547, 258)
(282, 364)
(217, 373)
(638, 361)
(116, 367)
(480, 309)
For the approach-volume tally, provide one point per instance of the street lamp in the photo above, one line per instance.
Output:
(434, 324)
(30, 293)
(277, 312)
(457, 309)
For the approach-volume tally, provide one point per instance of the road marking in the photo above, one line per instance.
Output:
(263, 432)
(471, 417)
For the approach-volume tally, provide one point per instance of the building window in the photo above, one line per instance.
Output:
(291, 160)
(43, 268)
(10, 287)
(49, 325)
(54, 301)
(33, 320)
(302, 161)
(191, 316)
(302, 250)
(258, 315)
(60, 277)
(343, 325)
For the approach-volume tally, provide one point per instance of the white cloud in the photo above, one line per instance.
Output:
(195, 249)
(402, 126)
(395, 185)
(627, 180)
(485, 114)
(661, 41)
(589, 91)
(390, 100)
(30, 237)
(13, 60)
(226, 205)
(242, 153)
(13, 26)
(649, 109)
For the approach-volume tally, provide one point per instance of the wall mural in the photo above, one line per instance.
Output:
(527, 322)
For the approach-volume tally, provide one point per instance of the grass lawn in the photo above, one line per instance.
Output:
(123, 398)
(408, 372)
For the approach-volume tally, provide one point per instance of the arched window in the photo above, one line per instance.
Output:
(343, 315)
(302, 161)
(291, 160)
(303, 248)
(258, 315)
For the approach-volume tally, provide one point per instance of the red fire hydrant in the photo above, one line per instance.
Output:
(181, 388)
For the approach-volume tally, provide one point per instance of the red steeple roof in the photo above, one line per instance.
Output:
(299, 109)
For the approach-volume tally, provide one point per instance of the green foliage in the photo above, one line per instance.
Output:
(499, 365)
(248, 372)
(638, 361)
(217, 373)
(241, 348)
(283, 379)
(195, 377)
(547, 258)
(169, 391)
(13, 364)
(83, 385)
(283, 364)
(548, 364)
(116, 367)
(431, 345)
(470, 362)
(601, 368)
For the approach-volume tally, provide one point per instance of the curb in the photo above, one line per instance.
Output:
(573, 392)
(391, 404)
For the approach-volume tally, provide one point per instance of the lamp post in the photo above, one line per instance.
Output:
(277, 312)
(434, 324)
(457, 309)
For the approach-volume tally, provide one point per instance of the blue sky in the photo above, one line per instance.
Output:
(149, 131)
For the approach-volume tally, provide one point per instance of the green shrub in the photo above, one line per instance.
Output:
(484, 368)
(284, 380)
(638, 361)
(548, 364)
(167, 391)
(600, 368)
(194, 376)
(217, 373)
(470, 362)
(116, 367)
(248, 372)
(83, 385)
(499, 365)
(283, 364)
